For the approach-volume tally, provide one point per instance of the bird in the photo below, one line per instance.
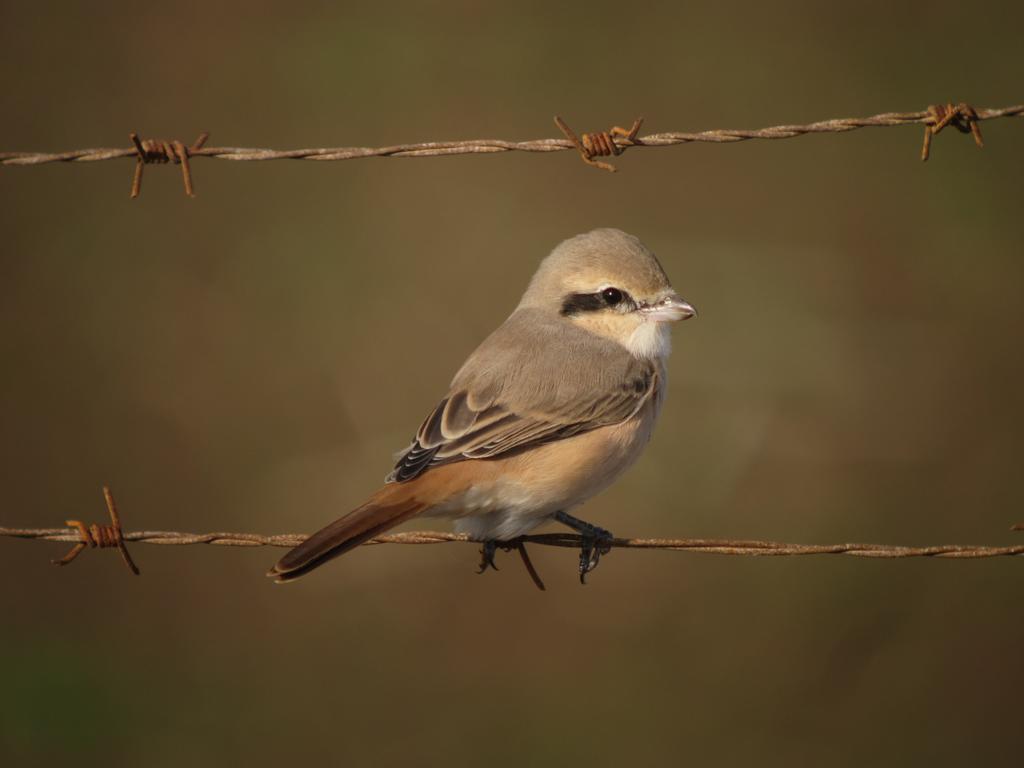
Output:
(547, 412)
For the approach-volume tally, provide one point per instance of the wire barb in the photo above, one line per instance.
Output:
(961, 116)
(602, 144)
(163, 151)
(101, 536)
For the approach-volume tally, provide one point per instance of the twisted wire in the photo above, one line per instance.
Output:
(752, 547)
(485, 146)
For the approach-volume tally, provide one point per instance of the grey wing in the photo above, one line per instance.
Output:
(517, 402)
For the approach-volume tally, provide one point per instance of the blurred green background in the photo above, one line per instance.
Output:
(248, 360)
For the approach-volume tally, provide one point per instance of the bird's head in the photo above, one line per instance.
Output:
(608, 283)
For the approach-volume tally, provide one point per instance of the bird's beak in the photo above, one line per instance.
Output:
(668, 310)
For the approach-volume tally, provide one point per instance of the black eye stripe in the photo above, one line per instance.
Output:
(575, 303)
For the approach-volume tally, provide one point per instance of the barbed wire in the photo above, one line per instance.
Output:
(82, 536)
(103, 536)
(602, 143)
(755, 547)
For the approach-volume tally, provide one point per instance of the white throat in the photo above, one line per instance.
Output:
(651, 340)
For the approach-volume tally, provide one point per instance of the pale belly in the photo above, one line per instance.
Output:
(509, 497)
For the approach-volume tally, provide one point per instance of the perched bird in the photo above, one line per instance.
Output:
(547, 412)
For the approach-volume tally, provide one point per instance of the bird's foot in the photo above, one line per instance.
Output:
(592, 549)
(596, 541)
(492, 546)
(487, 556)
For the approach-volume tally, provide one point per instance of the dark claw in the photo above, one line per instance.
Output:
(595, 545)
(492, 546)
(487, 556)
(596, 541)
(587, 562)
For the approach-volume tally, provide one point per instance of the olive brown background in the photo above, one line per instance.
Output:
(250, 359)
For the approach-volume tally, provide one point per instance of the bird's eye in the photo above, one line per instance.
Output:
(611, 296)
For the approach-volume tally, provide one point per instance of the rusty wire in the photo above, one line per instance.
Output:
(163, 151)
(754, 547)
(961, 116)
(82, 536)
(99, 536)
(602, 143)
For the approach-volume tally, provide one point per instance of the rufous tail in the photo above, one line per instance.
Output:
(390, 506)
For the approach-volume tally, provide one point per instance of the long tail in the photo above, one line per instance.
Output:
(390, 506)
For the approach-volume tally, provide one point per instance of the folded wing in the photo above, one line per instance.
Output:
(533, 381)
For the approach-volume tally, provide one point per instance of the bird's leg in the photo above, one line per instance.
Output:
(596, 542)
(491, 546)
